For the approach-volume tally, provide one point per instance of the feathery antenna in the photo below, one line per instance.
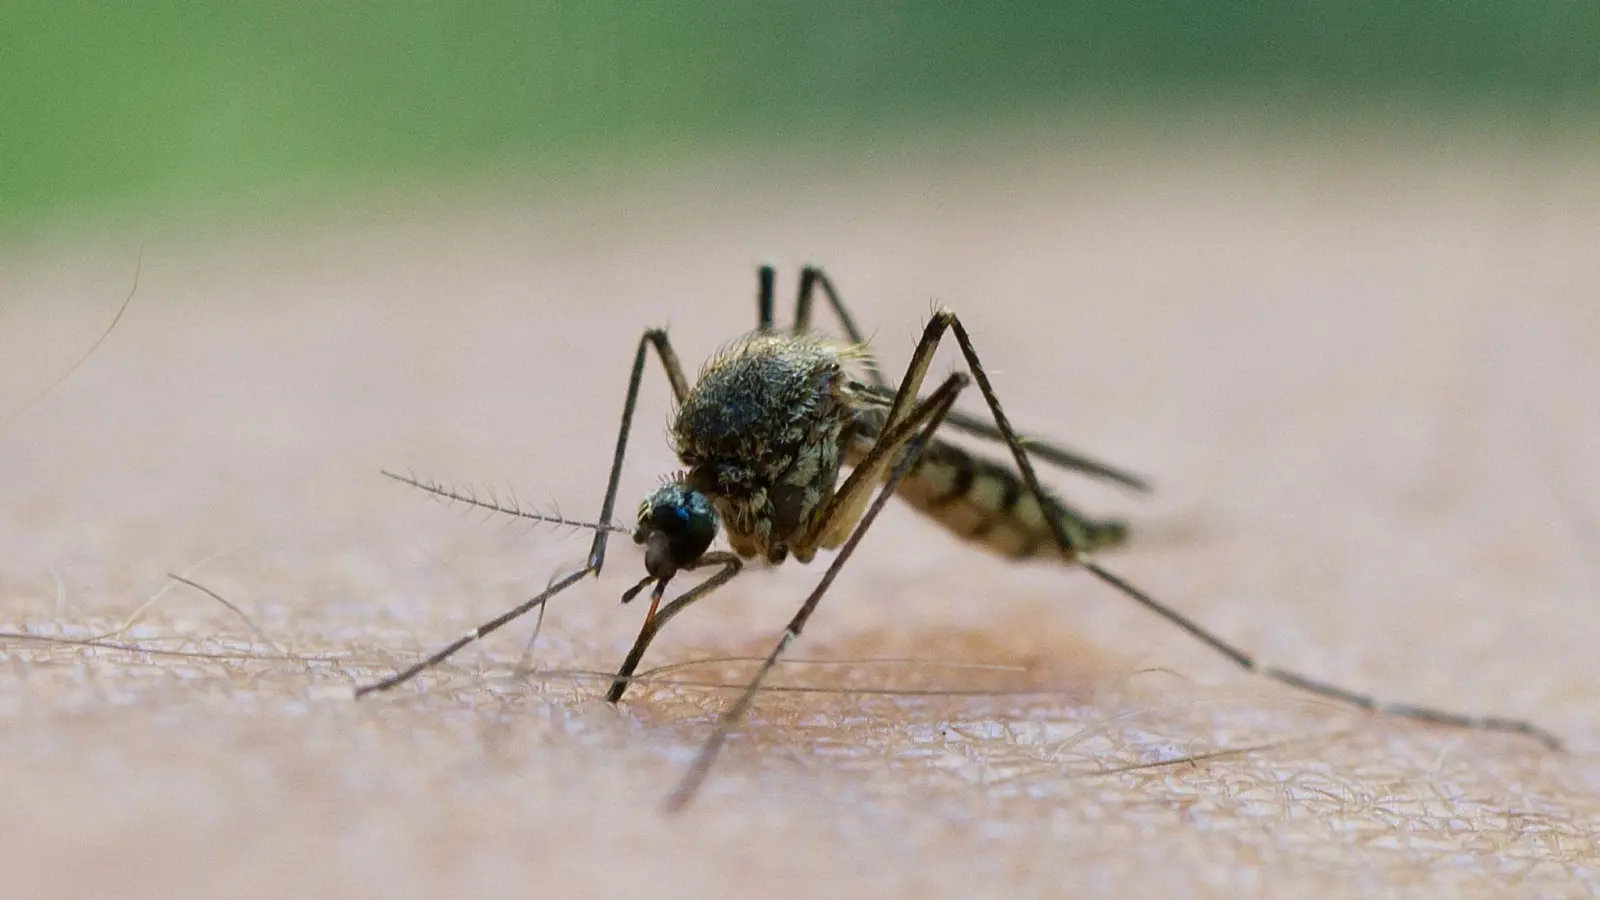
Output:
(511, 507)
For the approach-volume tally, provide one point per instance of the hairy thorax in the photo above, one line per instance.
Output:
(762, 433)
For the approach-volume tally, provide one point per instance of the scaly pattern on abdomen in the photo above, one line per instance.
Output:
(987, 503)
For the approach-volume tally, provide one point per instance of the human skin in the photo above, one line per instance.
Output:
(1362, 385)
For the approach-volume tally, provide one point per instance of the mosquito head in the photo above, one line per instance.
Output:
(676, 525)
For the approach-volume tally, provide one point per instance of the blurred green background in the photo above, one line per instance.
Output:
(118, 110)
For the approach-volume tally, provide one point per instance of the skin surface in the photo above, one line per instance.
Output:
(1361, 378)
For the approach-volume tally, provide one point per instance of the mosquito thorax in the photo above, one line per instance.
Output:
(762, 435)
(676, 525)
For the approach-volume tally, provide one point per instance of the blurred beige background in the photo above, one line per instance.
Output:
(1361, 376)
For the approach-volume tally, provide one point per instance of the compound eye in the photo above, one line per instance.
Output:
(677, 525)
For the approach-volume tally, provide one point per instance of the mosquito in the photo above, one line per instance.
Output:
(763, 434)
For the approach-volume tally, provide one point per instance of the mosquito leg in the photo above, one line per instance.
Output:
(1071, 460)
(1322, 688)
(765, 278)
(1039, 448)
(731, 565)
(475, 634)
(597, 551)
(810, 278)
(906, 441)
(656, 338)
(1055, 454)
(947, 320)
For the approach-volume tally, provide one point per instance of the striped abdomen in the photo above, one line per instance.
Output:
(986, 502)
